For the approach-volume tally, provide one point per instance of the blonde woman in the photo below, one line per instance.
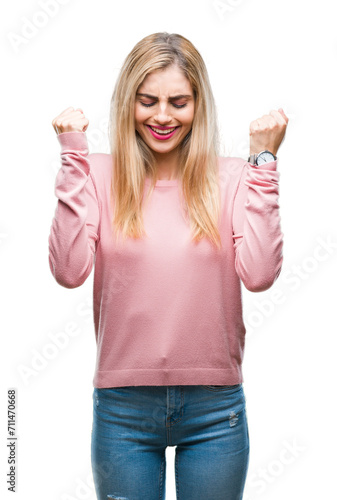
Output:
(171, 228)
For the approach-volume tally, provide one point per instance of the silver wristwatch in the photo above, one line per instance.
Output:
(262, 157)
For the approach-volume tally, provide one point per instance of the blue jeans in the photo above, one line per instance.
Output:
(133, 425)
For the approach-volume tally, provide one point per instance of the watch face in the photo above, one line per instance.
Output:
(265, 157)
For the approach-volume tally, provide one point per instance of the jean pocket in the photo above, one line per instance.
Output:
(223, 388)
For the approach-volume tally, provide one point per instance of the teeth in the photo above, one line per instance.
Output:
(162, 132)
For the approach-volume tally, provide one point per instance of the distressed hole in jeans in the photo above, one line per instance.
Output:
(117, 498)
(233, 419)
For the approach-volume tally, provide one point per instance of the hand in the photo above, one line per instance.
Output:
(70, 120)
(268, 132)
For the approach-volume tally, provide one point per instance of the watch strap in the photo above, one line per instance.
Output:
(252, 158)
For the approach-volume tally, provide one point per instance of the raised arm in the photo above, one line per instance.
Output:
(75, 227)
(258, 240)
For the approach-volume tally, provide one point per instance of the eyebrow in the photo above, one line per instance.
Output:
(180, 96)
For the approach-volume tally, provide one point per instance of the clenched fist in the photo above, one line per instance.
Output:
(268, 132)
(70, 120)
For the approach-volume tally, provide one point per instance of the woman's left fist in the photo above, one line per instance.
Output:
(268, 132)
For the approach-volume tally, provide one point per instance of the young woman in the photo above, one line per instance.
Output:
(172, 228)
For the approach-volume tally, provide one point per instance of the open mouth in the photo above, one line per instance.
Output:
(162, 134)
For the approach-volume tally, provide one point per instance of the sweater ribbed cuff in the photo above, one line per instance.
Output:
(270, 165)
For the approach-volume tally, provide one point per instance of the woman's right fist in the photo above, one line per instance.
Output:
(70, 120)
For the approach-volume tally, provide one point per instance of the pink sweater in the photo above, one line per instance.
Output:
(166, 311)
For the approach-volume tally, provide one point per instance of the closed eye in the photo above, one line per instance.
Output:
(152, 103)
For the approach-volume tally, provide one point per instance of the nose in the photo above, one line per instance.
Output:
(162, 116)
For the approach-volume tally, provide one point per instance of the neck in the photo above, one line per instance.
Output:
(167, 165)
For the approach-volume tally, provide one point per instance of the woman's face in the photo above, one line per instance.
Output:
(167, 102)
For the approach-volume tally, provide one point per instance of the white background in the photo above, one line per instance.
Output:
(260, 56)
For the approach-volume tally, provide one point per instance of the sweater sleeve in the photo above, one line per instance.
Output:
(75, 226)
(258, 240)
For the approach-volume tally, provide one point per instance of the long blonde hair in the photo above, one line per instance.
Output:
(133, 160)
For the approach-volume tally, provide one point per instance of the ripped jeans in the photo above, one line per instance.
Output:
(133, 425)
